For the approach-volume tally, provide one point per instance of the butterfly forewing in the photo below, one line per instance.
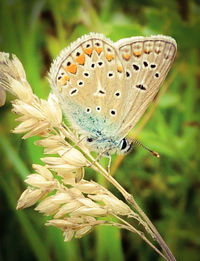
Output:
(147, 61)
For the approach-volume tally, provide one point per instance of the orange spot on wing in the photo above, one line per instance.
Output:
(157, 51)
(80, 59)
(66, 77)
(126, 56)
(137, 53)
(98, 49)
(119, 69)
(147, 51)
(109, 57)
(72, 68)
(64, 80)
(88, 51)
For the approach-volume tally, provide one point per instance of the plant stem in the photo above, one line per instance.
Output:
(139, 233)
(128, 197)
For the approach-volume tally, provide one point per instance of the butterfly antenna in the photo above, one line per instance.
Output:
(154, 153)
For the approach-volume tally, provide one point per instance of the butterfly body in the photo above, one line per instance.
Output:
(98, 136)
(105, 87)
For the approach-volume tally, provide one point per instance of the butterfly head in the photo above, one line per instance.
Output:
(124, 146)
(109, 146)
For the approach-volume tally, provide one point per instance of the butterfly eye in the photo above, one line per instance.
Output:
(125, 146)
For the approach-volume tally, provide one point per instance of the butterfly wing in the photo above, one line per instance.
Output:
(146, 61)
(87, 77)
(105, 87)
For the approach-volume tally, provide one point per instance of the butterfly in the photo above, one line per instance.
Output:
(104, 87)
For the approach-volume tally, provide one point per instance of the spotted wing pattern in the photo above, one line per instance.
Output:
(146, 61)
(88, 78)
(105, 87)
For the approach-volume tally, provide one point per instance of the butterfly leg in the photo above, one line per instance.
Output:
(97, 159)
(109, 163)
(107, 155)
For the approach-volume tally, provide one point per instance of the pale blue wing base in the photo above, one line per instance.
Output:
(95, 128)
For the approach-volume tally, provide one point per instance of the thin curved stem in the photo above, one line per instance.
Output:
(129, 198)
(139, 233)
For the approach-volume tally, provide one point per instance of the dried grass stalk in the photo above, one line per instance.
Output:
(59, 188)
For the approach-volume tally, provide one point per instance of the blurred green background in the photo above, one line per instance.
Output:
(167, 188)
